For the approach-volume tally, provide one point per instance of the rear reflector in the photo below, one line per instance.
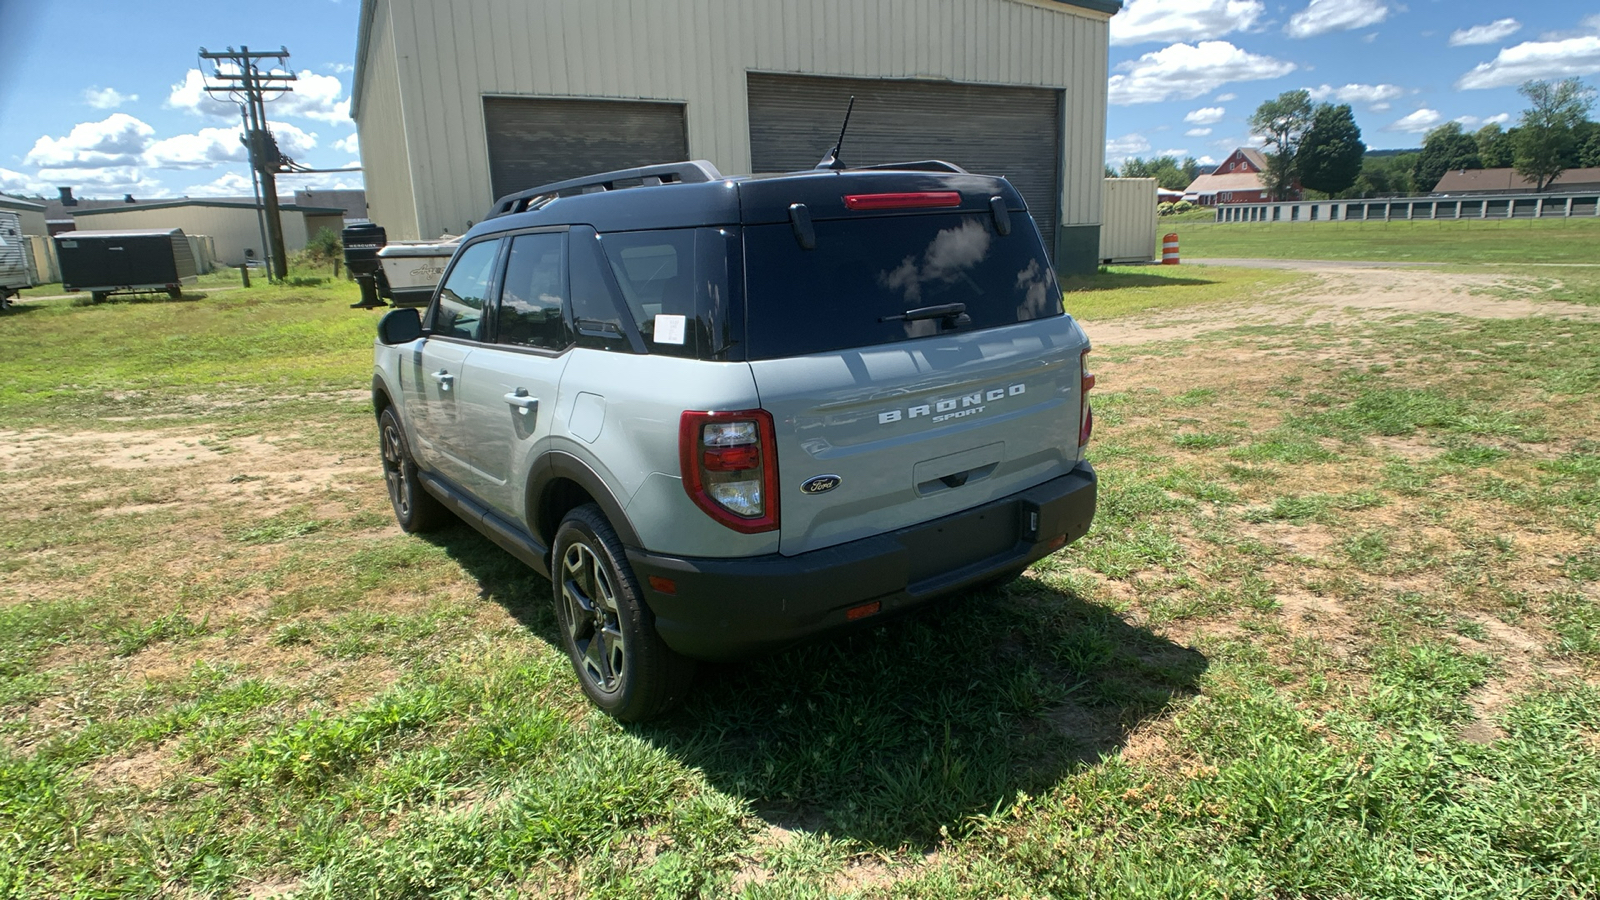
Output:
(917, 200)
(862, 611)
(663, 585)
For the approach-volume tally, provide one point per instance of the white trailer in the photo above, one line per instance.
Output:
(16, 258)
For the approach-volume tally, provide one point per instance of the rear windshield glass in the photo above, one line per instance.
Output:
(866, 270)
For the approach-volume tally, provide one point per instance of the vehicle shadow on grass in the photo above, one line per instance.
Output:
(888, 734)
(1112, 281)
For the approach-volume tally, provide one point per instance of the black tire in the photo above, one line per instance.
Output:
(175, 293)
(98, 296)
(5, 300)
(414, 508)
(608, 630)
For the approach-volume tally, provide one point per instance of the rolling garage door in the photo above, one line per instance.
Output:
(1010, 131)
(537, 141)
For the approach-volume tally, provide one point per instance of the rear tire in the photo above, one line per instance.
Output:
(608, 630)
(414, 508)
(98, 296)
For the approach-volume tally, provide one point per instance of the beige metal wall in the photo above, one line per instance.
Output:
(1128, 229)
(231, 228)
(695, 52)
(45, 263)
(32, 219)
(381, 122)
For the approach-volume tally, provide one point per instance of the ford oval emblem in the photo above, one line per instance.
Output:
(820, 484)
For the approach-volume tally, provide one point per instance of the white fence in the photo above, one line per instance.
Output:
(1478, 206)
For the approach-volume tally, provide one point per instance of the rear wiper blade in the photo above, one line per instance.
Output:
(956, 311)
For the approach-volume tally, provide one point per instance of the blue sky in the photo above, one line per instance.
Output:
(101, 94)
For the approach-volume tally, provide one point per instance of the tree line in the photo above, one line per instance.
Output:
(1318, 147)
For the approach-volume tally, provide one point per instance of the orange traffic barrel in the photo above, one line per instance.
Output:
(1169, 250)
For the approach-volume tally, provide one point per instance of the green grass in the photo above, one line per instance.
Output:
(1334, 634)
(1125, 290)
(1515, 242)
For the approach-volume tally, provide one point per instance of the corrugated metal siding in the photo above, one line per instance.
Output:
(1010, 131)
(1128, 230)
(698, 52)
(385, 157)
(16, 256)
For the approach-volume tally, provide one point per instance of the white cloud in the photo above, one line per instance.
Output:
(231, 184)
(1167, 21)
(190, 96)
(117, 140)
(1207, 160)
(313, 97)
(1227, 98)
(323, 181)
(1208, 115)
(339, 68)
(111, 181)
(1492, 33)
(1186, 71)
(107, 98)
(16, 183)
(1178, 153)
(1119, 149)
(1376, 96)
(1535, 60)
(1323, 16)
(350, 145)
(1197, 132)
(1473, 122)
(1419, 122)
(211, 146)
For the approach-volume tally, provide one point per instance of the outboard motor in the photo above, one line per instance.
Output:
(361, 245)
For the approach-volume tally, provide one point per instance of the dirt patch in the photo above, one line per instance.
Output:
(1341, 295)
(143, 772)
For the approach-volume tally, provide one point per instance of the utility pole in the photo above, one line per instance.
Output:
(236, 76)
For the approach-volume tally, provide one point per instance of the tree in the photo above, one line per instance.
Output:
(1281, 123)
(1494, 147)
(1445, 149)
(1166, 170)
(1329, 157)
(1547, 139)
(1384, 175)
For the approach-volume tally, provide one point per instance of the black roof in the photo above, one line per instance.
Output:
(749, 200)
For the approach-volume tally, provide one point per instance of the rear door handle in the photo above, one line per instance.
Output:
(444, 378)
(525, 404)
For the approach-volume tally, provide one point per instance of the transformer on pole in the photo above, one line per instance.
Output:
(237, 76)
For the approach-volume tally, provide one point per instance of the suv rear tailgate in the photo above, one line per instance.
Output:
(918, 430)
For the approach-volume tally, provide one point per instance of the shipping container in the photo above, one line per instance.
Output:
(114, 262)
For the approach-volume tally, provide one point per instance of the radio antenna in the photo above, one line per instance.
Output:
(832, 161)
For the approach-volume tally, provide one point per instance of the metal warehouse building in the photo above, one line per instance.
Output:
(460, 102)
(234, 225)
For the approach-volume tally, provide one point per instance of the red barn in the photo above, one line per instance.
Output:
(1236, 180)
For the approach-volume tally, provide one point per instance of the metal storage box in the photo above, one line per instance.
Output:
(107, 262)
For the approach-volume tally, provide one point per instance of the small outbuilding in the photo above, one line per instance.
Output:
(460, 103)
(234, 226)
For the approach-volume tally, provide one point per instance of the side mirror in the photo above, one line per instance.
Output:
(399, 326)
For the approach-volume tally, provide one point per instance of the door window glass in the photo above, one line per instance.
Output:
(531, 303)
(458, 312)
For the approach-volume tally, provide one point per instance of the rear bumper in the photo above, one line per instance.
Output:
(727, 608)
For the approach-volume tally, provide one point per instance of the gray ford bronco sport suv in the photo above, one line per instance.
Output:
(724, 414)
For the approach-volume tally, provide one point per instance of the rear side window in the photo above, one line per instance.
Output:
(675, 284)
(864, 271)
(458, 311)
(533, 299)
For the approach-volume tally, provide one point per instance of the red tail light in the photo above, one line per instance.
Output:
(1085, 413)
(730, 467)
(917, 200)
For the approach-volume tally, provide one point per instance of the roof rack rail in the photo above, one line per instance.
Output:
(696, 171)
(921, 165)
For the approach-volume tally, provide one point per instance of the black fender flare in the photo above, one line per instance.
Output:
(556, 465)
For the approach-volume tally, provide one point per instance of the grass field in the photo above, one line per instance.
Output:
(1515, 242)
(1335, 634)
